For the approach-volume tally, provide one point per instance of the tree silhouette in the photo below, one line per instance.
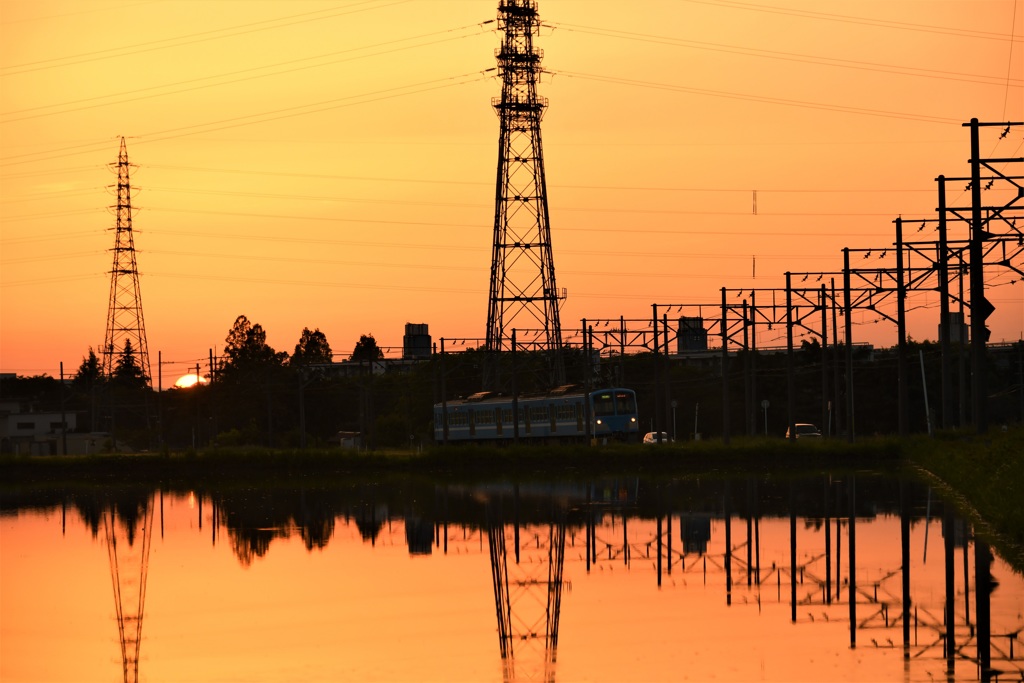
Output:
(249, 382)
(128, 372)
(90, 372)
(86, 385)
(249, 355)
(366, 349)
(312, 349)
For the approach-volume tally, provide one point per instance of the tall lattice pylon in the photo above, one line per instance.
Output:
(125, 323)
(523, 294)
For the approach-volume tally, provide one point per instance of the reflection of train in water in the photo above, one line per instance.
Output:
(562, 414)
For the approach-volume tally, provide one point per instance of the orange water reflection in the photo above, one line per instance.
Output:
(341, 586)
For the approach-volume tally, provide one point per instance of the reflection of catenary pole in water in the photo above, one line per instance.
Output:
(129, 563)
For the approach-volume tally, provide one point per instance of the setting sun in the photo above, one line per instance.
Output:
(186, 381)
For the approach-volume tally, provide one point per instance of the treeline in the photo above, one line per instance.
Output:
(257, 396)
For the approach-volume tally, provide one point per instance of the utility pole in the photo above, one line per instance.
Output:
(523, 293)
(980, 306)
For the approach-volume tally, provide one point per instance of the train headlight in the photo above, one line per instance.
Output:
(599, 421)
(632, 419)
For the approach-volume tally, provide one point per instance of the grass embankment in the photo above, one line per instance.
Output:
(466, 462)
(982, 474)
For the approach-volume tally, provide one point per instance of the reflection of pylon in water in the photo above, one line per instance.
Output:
(528, 599)
(128, 550)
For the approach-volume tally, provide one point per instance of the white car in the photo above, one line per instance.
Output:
(805, 431)
(652, 437)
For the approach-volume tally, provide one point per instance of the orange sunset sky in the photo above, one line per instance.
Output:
(331, 165)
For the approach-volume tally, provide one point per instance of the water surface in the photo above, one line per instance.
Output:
(410, 580)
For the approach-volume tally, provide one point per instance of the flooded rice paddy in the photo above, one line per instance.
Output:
(822, 578)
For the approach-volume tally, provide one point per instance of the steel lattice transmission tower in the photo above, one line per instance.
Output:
(125, 323)
(523, 294)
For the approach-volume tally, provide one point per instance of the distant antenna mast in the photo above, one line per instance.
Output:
(523, 295)
(124, 315)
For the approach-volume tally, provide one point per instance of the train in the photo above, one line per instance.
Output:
(560, 415)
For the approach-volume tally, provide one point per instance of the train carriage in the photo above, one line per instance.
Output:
(560, 415)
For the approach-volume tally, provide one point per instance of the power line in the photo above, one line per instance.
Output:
(51, 172)
(325, 105)
(278, 258)
(794, 57)
(376, 285)
(436, 181)
(336, 219)
(1009, 57)
(220, 78)
(409, 202)
(52, 194)
(261, 117)
(50, 17)
(49, 214)
(762, 98)
(847, 19)
(189, 39)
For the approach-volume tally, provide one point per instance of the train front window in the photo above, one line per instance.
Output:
(604, 404)
(625, 403)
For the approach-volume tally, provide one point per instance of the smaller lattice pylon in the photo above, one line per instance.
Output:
(125, 322)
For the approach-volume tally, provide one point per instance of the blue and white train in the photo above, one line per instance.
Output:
(560, 415)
